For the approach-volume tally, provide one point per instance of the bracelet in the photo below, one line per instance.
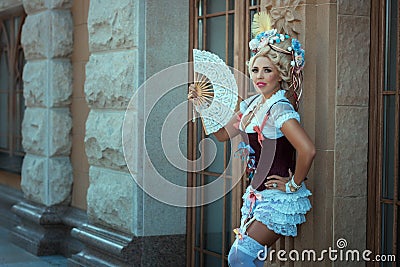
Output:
(293, 187)
(288, 188)
(294, 183)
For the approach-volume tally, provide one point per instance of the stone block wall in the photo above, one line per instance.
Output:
(351, 127)
(118, 64)
(336, 37)
(9, 4)
(46, 128)
(111, 79)
(322, 30)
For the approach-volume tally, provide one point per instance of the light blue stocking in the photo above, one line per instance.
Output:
(244, 252)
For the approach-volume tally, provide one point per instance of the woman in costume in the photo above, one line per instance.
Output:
(276, 200)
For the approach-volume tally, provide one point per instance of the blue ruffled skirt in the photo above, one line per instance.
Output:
(279, 211)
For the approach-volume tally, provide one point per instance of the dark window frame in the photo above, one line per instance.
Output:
(380, 185)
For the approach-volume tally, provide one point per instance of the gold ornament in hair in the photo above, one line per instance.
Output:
(262, 32)
(261, 23)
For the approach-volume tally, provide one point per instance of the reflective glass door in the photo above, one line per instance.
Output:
(219, 26)
(384, 160)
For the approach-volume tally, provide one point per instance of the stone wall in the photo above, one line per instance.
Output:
(351, 127)
(47, 41)
(118, 64)
(336, 37)
(9, 4)
(111, 78)
(322, 33)
(166, 46)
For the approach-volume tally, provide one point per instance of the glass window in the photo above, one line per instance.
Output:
(387, 229)
(215, 31)
(212, 225)
(215, 6)
(384, 156)
(210, 260)
(213, 222)
(12, 104)
(391, 45)
(388, 146)
(231, 4)
(231, 38)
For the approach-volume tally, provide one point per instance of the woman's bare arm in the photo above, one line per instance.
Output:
(229, 131)
(304, 147)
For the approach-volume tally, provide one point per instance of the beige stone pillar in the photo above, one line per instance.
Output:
(336, 37)
(46, 171)
(351, 126)
(47, 42)
(128, 42)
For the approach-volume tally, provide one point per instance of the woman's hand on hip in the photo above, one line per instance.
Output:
(278, 182)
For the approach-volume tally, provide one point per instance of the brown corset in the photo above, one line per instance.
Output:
(275, 157)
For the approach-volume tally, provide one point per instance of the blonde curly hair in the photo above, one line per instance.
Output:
(282, 62)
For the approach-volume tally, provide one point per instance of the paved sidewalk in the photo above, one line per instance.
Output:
(14, 256)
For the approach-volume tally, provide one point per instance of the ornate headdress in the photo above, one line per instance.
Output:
(264, 35)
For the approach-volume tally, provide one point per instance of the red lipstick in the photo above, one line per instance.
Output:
(261, 84)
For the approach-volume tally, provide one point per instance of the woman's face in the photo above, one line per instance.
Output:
(265, 76)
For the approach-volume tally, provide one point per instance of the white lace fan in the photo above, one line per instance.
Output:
(216, 89)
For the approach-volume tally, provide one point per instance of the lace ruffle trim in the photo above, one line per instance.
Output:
(275, 216)
(286, 116)
(286, 230)
(279, 196)
(302, 206)
(248, 245)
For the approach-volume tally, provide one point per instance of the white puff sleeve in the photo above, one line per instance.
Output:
(282, 112)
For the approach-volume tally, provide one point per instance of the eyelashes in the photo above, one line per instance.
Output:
(266, 70)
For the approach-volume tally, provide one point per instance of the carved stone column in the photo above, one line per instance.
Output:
(125, 226)
(111, 78)
(46, 172)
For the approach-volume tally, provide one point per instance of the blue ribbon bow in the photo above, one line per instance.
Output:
(243, 151)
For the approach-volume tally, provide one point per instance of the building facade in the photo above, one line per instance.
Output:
(72, 72)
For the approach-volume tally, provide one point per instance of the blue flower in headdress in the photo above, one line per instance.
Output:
(302, 53)
(296, 44)
(298, 53)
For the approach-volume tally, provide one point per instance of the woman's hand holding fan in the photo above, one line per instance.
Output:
(214, 92)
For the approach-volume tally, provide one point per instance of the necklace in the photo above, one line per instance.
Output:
(246, 120)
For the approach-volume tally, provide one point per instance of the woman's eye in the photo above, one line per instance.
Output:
(254, 70)
(267, 70)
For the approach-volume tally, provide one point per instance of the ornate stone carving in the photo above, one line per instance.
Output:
(285, 15)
